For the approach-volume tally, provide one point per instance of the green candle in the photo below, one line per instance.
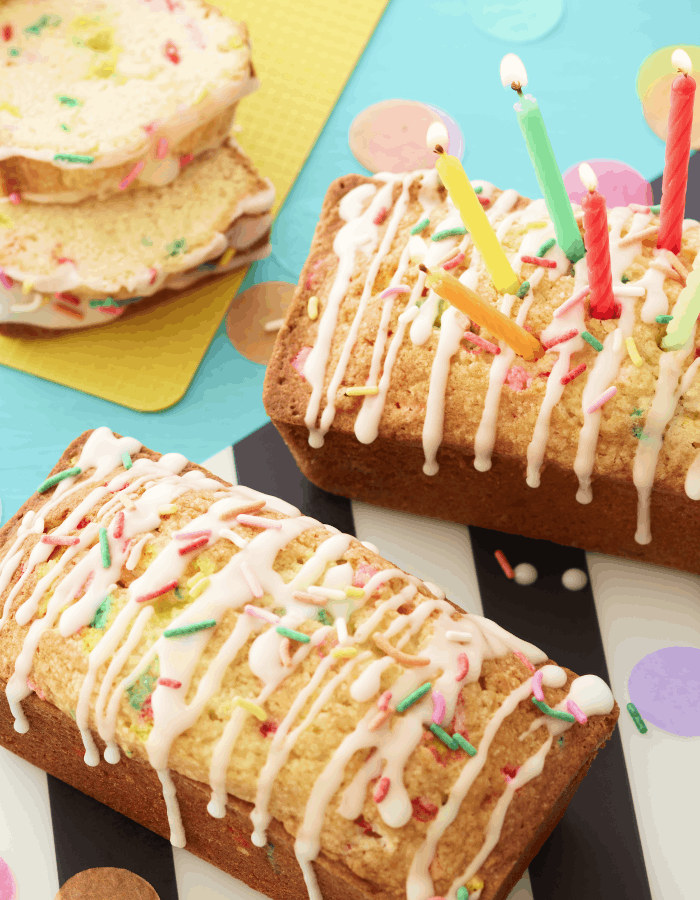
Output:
(540, 149)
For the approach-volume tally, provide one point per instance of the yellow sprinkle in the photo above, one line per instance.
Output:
(8, 107)
(251, 707)
(633, 352)
(194, 579)
(201, 585)
(202, 95)
(5, 220)
(167, 510)
(360, 391)
(354, 592)
(313, 307)
(531, 226)
(27, 287)
(474, 884)
(226, 257)
(233, 43)
(344, 652)
(206, 565)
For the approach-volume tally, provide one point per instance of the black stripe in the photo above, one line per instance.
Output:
(692, 197)
(88, 835)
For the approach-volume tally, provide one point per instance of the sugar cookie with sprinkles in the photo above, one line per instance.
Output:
(376, 742)
(100, 97)
(74, 267)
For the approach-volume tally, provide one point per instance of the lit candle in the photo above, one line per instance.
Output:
(685, 311)
(549, 177)
(483, 313)
(472, 212)
(675, 180)
(595, 225)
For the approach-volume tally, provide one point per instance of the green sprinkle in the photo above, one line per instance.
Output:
(664, 320)
(71, 102)
(104, 549)
(462, 893)
(421, 226)
(446, 739)
(573, 270)
(624, 279)
(412, 698)
(655, 209)
(323, 617)
(102, 614)
(547, 245)
(126, 460)
(178, 593)
(637, 719)
(464, 744)
(589, 339)
(38, 26)
(293, 635)
(478, 189)
(14, 51)
(636, 412)
(189, 629)
(74, 158)
(523, 289)
(560, 742)
(449, 232)
(176, 247)
(65, 127)
(141, 689)
(71, 713)
(147, 242)
(54, 479)
(554, 713)
(638, 432)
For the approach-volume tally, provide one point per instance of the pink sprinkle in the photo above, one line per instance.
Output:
(637, 207)
(381, 215)
(195, 545)
(439, 707)
(83, 589)
(599, 401)
(191, 535)
(463, 669)
(186, 160)
(561, 339)
(398, 289)
(59, 541)
(299, 360)
(111, 310)
(382, 789)
(68, 298)
(311, 277)
(481, 342)
(42, 696)
(258, 521)
(483, 200)
(5, 280)
(171, 585)
(504, 564)
(362, 575)
(150, 128)
(524, 660)
(572, 301)
(537, 686)
(135, 172)
(7, 32)
(576, 712)
(573, 373)
(154, 275)
(423, 810)
(518, 379)
(252, 580)
(15, 198)
(269, 726)
(509, 773)
(118, 524)
(454, 262)
(383, 702)
(62, 260)
(539, 261)
(171, 52)
(170, 682)
(162, 148)
(263, 614)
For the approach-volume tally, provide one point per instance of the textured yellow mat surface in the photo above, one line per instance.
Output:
(303, 52)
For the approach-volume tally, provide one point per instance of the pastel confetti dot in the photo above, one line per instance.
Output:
(8, 885)
(665, 688)
(516, 20)
(618, 182)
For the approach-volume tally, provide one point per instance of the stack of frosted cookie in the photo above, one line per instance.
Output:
(118, 173)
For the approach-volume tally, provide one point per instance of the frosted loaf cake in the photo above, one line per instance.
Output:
(240, 665)
(387, 394)
(100, 97)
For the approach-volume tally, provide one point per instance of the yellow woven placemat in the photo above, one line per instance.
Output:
(303, 52)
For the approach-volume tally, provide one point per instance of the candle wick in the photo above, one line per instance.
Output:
(438, 149)
(517, 87)
(423, 268)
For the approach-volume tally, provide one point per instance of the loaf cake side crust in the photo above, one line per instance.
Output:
(534, 809)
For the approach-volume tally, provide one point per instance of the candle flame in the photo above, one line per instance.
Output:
(681, 61)
(437, 138)
(587, 176)
(513, 72)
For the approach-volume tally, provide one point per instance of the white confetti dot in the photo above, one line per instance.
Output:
(525, 573)
(574, 579)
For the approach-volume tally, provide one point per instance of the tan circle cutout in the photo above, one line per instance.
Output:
(390, 136)
(106, 884)
(259, 305)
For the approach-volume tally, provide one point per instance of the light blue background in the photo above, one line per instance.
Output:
(583, 73)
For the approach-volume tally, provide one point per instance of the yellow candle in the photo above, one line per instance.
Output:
(473, 216)
(484, 314)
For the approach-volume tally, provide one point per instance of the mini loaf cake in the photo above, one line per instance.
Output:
(98, 97)
(387, 394)
(244, 668)
(70, 268)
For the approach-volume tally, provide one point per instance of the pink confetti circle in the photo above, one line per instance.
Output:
(619, 183)
(8, 885)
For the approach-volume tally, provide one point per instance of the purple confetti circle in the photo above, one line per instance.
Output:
(619, 183)
(665, 688)
(8, 886)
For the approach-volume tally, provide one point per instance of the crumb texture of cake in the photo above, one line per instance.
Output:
(100, 97)
(64, 270)
(385, 370)
(233, 650)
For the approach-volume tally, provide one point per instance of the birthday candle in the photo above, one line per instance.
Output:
(472, 212)
(542, 155)
(595, 224)
(675, 179)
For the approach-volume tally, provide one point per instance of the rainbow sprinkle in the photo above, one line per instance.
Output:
(421, 226)
(573, 373)
(633, 352)
(593, 341)
(60, 476)
(226, 257)
(523, 289)
(126, 460)
(439, 707)
(71, 102)
(475, 884)
(195, 545)
(442, 735)
(367, 391)
(132, 176)
(462, 742)
(104, 549)
(312, 307)
(293, 635)
(171, 585)
(537, 686)
(601, 400)
(576, 712)
(539, 261)
(457, 231)
(357, 592)
(637, 719)
(58, 540)
(463, 670)
(74, 158)
(664, 320)
(259, 613)
(453, 262)
(181, 630)
(102, 613)
(561, 339)
(482, 342)
(344, 652)
(200, 586)
(524, 660)
(382, 789)
(504, 564)
(462, 893)
(656, 209)
(413, 697)
(178, 246)
(478, 189)
(251, 707)
(546, 246)
(170, 682)
(554, 713)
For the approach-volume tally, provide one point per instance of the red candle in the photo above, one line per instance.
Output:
(675, 181)
(595, 237)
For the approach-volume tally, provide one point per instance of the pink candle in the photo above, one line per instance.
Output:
(595, 237)
(675, 181)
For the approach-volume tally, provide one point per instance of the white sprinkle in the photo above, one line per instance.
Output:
(574, 579)
(136, 551)
(233, 537)
(263, 614)
(273, 325)
(251, 578)
(258, 521)
(342, 629)
(525, 573)
(461, 637)
(330, 593)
